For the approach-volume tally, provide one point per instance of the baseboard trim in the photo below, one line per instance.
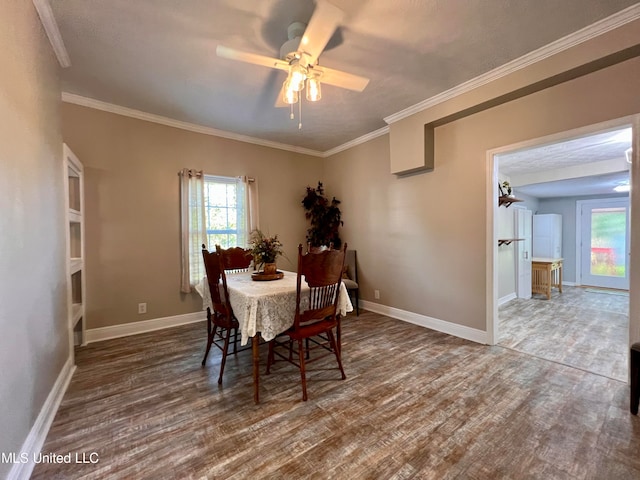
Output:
(570, 284)
(461, 331)
(507, 298)
(135, 328)
(38, 434)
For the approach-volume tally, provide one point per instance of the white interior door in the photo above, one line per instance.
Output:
(604, 249)
(524, 218)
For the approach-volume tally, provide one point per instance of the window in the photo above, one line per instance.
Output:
(225, 211)
(214, 211)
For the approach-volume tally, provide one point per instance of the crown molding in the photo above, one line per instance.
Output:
(43, 7)
(192, 127)
(357, 141)
(600, 27)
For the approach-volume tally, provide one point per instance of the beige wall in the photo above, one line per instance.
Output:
(132, 205)
(33, 317)
(435, 222)
(421, 239)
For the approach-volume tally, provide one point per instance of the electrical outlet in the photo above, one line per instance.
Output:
(142, 308)
(376, 294)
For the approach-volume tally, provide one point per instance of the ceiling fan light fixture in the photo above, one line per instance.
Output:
(289, 95)
(297, 76)
(299, 58)
(314, 90)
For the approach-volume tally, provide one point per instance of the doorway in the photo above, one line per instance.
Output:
(493, 314)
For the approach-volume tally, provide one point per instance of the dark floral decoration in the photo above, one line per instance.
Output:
(325, 217)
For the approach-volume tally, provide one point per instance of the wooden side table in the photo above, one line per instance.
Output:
(546, 273)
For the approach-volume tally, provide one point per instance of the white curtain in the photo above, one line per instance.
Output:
(252, 217)
(193, 227)
(193, 224)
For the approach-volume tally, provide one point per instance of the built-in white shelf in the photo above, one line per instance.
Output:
(76, 278)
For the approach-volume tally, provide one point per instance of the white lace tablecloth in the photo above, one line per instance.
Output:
(267, 307)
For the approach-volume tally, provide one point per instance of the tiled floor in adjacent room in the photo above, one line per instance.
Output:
(581, 327)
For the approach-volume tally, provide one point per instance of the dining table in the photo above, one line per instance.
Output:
(265, 308)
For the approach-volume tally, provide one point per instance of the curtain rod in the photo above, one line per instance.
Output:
(199, 173)
(190, 172)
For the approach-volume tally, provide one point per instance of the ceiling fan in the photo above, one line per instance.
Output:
(299, 58)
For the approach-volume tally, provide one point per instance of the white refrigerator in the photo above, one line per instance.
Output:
(547, 236)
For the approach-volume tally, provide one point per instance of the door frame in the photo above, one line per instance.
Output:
(599, 201)
(491, 290)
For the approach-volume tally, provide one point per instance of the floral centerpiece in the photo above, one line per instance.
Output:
(265, 250)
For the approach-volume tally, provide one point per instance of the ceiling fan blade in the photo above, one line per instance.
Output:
(324, 21)
(254, 58)
(342, 79)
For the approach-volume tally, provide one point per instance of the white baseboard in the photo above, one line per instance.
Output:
(38, 434)
(134, 328)
(507, 298)
(468, 333)
(570, 284)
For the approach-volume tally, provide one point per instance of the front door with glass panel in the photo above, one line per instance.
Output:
(604, 247)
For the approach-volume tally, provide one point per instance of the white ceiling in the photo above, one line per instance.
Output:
(158, 56)
(577, 187)
(587, 165)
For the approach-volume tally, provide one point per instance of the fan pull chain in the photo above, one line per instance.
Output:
(291, 116)
(300, 114)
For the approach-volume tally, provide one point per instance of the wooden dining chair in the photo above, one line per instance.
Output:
(221, 320)
(323, 274)
(320, 249)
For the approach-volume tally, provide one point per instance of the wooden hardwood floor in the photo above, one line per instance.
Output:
(415, 404)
